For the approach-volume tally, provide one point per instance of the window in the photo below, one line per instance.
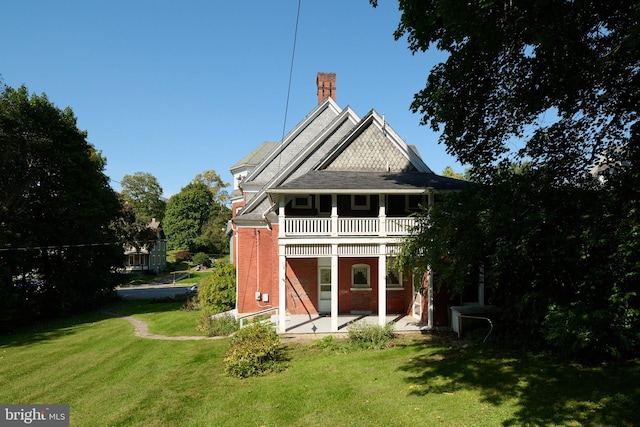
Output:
(360, 276)
(301, 202)
(360, 202)
(394, 279)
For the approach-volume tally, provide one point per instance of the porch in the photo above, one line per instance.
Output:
(319, 324)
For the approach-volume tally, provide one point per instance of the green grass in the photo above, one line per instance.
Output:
(111, 378)
(164, 318)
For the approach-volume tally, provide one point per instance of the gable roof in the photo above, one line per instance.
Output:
(333, 150)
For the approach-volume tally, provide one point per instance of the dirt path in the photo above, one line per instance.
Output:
(141, 329)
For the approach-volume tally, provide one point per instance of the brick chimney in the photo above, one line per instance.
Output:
(326, 86)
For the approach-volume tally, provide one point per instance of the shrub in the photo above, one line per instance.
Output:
(254, 350)
(217, 326)
(368, 336)
(217, 292)
(182, 256)
(201, 259)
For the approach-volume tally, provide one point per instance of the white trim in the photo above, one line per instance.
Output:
(367, 271)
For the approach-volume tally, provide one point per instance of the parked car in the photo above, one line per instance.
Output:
(194, 288)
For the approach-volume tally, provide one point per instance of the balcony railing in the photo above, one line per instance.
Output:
(348, 226)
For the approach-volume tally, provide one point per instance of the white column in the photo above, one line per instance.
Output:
(281, 218)
(282, 291)
(334, 288)
(382, 215)
(334, 215)
(382, 285)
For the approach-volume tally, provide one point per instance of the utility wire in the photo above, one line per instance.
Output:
(293, 54)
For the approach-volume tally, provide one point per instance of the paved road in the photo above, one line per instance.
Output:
(150, 292)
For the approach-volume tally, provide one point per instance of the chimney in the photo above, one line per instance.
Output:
(326, 86)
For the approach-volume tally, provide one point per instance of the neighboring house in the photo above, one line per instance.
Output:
(153, 257)
(318, 219)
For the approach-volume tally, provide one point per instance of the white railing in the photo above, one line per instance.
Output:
(307, 226)
(399, 226)
(347, 226)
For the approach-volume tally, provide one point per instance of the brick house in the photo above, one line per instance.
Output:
(318, 217)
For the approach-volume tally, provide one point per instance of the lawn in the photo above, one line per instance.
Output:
(110, 377)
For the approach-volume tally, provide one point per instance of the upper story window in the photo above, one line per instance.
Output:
(360, 202)
(360, 276)
(301, 202)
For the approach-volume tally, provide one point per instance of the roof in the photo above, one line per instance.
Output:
(330, 181)
(255, 157)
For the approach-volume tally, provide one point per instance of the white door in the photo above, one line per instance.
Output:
(417, 298)
(324, 290)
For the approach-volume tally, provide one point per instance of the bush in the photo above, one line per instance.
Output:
(181, 256)
(201, 259)
(217, 292)
(217, 326)
(255, 350)
(368, 336)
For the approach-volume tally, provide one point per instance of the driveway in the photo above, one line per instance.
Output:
(151, 291)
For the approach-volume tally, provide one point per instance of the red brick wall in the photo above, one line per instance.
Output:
(257, 253)
(302, 286)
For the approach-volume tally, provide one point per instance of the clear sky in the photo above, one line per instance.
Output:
(174, 88)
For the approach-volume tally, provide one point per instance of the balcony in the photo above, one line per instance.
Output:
(310, 227)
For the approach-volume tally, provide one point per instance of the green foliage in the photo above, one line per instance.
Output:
(143, 192)
(368, 336)
(254, 350)
(187, 212)
(556, 260)
(217, 291)
(549, 83)
(216, 185)
(217, 325)
(201, 259)
(53, 196)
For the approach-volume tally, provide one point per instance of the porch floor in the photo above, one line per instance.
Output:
(320, 324)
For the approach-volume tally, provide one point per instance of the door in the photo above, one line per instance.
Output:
(416, 310)
(324, 290)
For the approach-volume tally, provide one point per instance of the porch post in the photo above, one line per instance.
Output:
(382, 285)
(282, 292)
(334, 215)
(334, 288)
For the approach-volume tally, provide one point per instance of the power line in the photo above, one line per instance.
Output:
(293, 54)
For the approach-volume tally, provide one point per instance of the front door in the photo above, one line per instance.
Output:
(324, 290)
(417, 298)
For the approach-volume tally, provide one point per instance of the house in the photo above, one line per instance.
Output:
(152, 257)
(318, 218)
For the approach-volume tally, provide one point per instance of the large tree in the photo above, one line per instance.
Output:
(537, 96)
(57, 250)
(143, 192)
(557, 79)
(187, 213)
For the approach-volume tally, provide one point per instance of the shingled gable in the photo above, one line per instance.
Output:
(306, 145)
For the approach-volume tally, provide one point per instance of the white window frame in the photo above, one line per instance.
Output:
(296, 205)
(361, 207)
(364, 268)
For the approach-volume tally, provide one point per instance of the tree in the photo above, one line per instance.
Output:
(187, 212)
(57, 251)
(559, 82)
(559, 77)
(216, 185)
(143, 192)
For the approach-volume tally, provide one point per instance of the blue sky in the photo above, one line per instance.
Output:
(174, 88)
